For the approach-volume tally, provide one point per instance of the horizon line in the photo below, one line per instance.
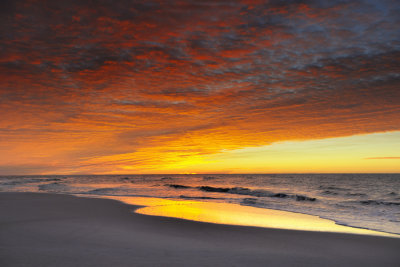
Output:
(109, 174)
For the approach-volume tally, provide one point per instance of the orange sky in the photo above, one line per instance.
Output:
(167, 86)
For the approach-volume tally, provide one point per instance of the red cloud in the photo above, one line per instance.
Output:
(82, 85)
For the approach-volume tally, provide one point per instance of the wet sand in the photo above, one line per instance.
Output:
(61, 230)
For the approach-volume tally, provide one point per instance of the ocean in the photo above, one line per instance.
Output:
(370, 201)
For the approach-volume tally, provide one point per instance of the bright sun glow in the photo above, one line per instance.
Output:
(360, 153)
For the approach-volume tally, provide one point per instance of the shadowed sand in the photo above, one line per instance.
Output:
(61, 230)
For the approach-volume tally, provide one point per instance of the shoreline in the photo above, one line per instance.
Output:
(42, 229)
(241, 215)
(346, 205)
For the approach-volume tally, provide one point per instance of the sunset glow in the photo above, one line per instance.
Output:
(199, 87)
(200, 133)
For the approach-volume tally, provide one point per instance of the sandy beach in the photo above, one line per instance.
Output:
(62, 230)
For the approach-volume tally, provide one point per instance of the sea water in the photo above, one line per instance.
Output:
(370, 201)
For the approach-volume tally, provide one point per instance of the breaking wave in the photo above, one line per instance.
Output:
(377, 202)
(244, 191)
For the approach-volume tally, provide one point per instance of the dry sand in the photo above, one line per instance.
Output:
(61, 230)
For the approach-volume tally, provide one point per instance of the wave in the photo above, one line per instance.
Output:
(302, 198)
(297, 197)
(356, 194)
(249, 201)
(329, 192)
(244, 191)
(377, 202)
(30, 181)
(178, 186)
(207, 178)
(189, 197)
(334, 188)
(102, 191)
(214, 189)
(52, 187)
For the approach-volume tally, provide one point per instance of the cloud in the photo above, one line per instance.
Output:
(137, 76)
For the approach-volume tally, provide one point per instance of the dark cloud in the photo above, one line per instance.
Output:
(193, 70)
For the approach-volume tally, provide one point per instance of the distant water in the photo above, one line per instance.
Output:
(369, 201)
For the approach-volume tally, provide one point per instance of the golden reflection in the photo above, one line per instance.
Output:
(233, 214)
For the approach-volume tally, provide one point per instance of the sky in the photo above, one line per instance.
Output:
(245, 86)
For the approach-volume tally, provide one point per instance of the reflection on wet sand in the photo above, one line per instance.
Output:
(233, 214)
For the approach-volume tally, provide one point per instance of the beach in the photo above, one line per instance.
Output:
(61, 230)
